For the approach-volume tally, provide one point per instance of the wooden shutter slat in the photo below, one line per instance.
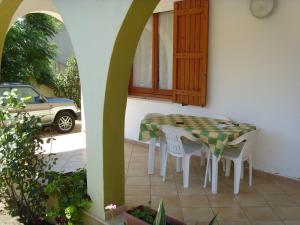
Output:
(189, 55)
(190, 52)
(184, 12)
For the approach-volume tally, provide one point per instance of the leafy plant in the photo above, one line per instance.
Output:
(28, 51)
(70, 189)
(149, 216)
(160, 218)
(68, 82)
(23, 166)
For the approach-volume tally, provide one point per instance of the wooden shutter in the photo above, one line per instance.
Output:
(190, 52)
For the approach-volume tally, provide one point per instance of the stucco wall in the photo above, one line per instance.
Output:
(253, 76)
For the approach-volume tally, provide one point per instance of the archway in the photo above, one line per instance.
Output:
(104, 37)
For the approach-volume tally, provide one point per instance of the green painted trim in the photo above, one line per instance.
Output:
(116, 99)
(7, 11)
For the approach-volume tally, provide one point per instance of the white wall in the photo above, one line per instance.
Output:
(64, 46)
(254, 76)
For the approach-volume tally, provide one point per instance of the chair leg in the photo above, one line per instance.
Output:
(186, 170)
(237, 175)
(178, 165)
(163, 152)
(165, 165)
(214, 180)
(151, 155)
(207, 171)
(242, 170)
(203, 158)
(228, 167)
(224, 165)
(250, 171)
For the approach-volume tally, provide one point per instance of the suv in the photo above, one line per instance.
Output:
(60, 112)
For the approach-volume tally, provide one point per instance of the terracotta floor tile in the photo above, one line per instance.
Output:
(229, 214)
(290, 189)
(267, 223)
(169, 201)
(234, 223)
(292, 222)
(137, 172)
(280, 200)
(197, 214)
(137, 190)
(251, 200)
(157, 180)
(295, 198)
(288, 213)
(192, 190)
(268, 189)
(222, 200)
(166, 190)
(138, 180)
(137, 165)
(260, 213)
(194, 201)
(133, 201)
(175, 212)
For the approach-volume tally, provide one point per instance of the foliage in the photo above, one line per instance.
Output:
(146, 214)
(70, 190)
(28, 52)
(22, 162)
(213, 221)
(68, 82)
(160, 218)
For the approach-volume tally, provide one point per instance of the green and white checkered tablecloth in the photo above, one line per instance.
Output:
(204, 128)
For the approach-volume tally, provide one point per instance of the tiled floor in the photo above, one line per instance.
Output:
(270, 201)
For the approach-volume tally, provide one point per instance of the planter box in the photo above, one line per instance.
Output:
(131, 220)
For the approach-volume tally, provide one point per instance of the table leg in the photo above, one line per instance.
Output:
(162, 154)
(214, 182)
(151, 155)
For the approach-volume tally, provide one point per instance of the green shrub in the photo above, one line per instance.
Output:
(70, 190)
(23, 166)
(68, 82)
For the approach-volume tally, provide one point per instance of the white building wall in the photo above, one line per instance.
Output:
(253, 76)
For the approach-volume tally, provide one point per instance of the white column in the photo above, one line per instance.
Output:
(82, 114)
(93, 27)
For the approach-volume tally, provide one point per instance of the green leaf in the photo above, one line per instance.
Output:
(161, 215)
(213, 221)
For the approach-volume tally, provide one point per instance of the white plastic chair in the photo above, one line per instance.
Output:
(152, 145)
(175, 146)
(238, 151)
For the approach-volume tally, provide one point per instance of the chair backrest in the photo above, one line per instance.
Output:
(173, 139)
(249, 139)
(151, 115)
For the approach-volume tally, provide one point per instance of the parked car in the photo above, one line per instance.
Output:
(60, 112)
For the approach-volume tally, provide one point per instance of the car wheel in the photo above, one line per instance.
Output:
(64, 122)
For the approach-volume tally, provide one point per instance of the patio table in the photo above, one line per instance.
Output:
(207, 130)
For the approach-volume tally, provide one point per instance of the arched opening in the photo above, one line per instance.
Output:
(105, 136)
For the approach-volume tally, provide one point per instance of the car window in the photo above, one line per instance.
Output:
(28, 92)
(2, 90)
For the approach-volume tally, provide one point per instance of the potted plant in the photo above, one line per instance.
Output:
(144, 215)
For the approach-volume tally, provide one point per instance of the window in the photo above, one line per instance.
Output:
(3, 90)
(171, 56)
(28, 92)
